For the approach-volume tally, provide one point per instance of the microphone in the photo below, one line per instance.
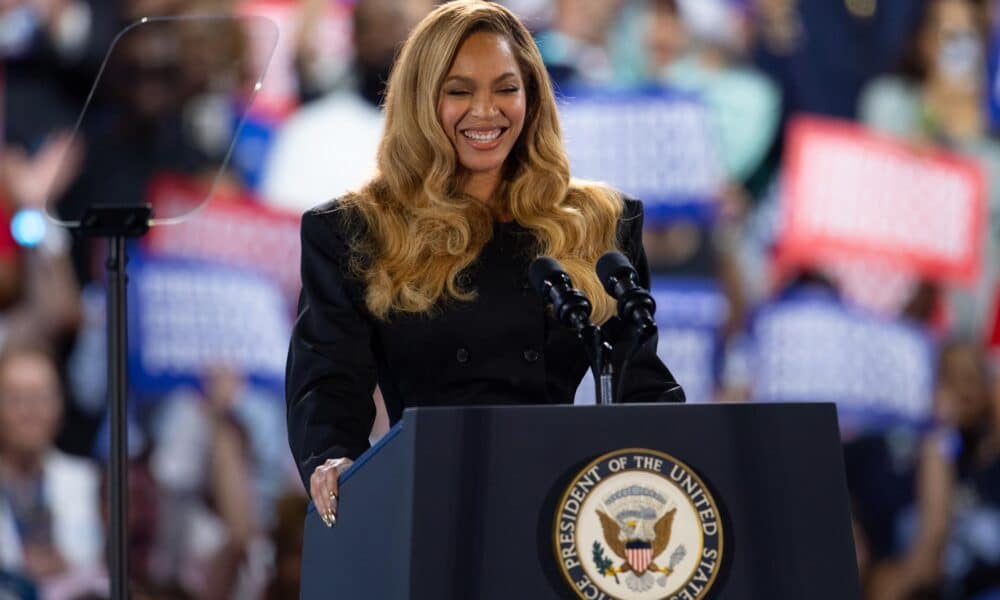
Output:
(635, 304)
(554, 286)
(573, 309)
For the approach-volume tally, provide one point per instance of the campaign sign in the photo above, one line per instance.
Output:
(231, 229)
(689, 315)
(849, 192)
(188, 317)
(811, 348)
(655, 145)
(877, 285)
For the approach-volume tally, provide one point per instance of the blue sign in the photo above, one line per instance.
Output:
(655, 145)
(187, 317)
(689, 314)
(814, 349)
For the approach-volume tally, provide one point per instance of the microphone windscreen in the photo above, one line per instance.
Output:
(613, 265)
(543, 268)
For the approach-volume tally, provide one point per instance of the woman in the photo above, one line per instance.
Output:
(418, 282)
(50, 525)
(936, 100)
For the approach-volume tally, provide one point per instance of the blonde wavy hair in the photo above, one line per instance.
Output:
(421, 232)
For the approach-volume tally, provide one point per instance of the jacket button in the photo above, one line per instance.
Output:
(462, 355)
(531, 355)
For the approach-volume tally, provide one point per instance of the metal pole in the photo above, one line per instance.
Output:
(117, 386)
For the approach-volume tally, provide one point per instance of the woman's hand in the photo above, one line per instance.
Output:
(324, 488)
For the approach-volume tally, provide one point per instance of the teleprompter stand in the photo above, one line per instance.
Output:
(117, 224)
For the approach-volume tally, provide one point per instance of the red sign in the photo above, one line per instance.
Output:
(850, 193)
(232, 229)
(993, 341)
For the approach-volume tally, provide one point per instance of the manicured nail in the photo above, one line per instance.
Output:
(333, 519)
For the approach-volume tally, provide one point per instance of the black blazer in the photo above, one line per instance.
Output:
(501, 348)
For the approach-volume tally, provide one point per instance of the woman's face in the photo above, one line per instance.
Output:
(482, 102)
(952, 42)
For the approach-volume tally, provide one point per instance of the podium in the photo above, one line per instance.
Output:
(478, 502)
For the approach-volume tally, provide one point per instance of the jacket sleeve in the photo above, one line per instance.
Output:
(331, 371)
(647, 379)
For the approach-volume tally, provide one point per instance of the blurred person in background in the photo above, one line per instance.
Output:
(947, 543)
(317, 75)
(577, 47)
(50, 523)
(39, 297)
(822, 53)
(287, 536)
(220, 464)
(700, 46)
(328, 147)
(536, 14)
(51, 51)
(936, 100)
(164, 109)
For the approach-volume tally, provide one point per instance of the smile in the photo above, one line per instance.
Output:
(483, 139)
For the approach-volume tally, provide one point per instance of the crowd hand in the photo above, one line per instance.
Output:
(223, 386)
(734, 201)
(325, 490)
(34, 180)
(42, 561)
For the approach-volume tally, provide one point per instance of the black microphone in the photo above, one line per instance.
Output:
(573, 309)
(554, 286)
(635, 304)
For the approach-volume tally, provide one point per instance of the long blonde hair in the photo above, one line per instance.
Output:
(421, 232)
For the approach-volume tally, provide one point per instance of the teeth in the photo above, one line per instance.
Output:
(482, 136)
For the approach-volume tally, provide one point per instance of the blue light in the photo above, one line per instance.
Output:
(28, 227)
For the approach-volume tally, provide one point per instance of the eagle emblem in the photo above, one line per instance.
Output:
(636, 522)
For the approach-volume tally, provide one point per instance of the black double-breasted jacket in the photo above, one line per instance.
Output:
(503, 347)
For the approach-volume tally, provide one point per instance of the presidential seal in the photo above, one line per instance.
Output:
(638, 524)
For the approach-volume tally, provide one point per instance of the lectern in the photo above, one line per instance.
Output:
(641, 501)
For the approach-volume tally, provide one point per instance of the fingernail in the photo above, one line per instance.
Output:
(333, 519)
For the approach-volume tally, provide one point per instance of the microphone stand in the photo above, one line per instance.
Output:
(573, 309)
(599, 353)
(117, 224)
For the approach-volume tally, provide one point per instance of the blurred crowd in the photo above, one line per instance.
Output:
(216, 508)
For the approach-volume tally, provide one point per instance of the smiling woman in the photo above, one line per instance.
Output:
(482, 110)
(418, 281)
